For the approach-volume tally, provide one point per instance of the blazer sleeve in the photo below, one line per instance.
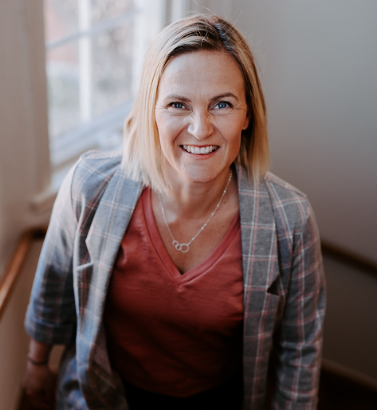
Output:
(51, 315)
(298, 342)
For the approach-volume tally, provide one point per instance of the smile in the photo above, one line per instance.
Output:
(201, 151)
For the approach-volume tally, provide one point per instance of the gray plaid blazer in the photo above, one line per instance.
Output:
(284, 297)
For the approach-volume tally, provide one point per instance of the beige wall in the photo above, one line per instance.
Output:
(318, 60)
(24, 155)
(24, 170)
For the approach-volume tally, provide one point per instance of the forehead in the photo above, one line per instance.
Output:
(202, 72)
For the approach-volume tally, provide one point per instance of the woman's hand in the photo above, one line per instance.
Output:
(40, 386)
(40, 381)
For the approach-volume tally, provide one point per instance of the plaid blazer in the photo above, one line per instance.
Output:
(284, 297)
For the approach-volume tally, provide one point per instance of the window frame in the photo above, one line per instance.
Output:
(91, 131)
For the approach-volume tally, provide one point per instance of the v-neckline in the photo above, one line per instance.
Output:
(163, 255)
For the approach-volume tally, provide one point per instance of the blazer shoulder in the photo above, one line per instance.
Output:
(98, 163)
(283, 187)
(291, 206)
(93, 169)
(90, 176)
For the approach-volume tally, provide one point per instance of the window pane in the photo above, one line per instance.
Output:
(112, 67)
(63, 88)
(94, 56)
(61, 18)
(107, 9)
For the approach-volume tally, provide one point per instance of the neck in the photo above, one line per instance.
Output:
(192, 200)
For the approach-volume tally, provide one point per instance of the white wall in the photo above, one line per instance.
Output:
(318, 61)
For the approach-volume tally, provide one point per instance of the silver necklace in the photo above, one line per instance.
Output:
(185, 247)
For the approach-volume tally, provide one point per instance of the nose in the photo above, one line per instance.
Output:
(200, 125)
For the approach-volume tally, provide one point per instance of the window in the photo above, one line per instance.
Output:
(94, 55)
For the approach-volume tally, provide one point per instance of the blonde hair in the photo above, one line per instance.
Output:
(142, 158)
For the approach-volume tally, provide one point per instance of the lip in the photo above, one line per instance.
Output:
(199, 157)
(213, 148)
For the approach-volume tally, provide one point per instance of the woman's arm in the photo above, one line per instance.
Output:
(51, 316)
(39, 382)
(38, 352)
(298, 344)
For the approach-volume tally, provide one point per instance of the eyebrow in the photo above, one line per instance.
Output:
(177, 97)
(218, 97)
(185, 99)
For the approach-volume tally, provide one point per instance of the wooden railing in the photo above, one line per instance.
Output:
(350, 258)
(14, 268)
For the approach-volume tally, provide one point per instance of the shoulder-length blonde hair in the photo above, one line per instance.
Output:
(142, 158)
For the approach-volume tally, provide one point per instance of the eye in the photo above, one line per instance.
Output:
(221, 105)
(177, 105)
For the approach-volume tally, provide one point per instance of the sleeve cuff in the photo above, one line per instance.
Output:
(49, 333)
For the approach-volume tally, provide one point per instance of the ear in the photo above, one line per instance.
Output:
(247, 120)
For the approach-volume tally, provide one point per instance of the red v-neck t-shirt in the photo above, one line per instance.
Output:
(170, 333)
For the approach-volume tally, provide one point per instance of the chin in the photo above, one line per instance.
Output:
(201, 175)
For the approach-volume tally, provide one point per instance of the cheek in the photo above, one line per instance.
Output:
(168, 128)
(231, 129)
(168, 133)
(235, 145)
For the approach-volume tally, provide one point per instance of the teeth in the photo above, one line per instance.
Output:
(197, 150)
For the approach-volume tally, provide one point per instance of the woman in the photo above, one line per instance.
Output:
(172, 269)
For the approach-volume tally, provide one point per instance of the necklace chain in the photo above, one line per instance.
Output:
(185, 247)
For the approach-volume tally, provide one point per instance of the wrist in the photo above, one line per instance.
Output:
(37, 362)
(39, 353)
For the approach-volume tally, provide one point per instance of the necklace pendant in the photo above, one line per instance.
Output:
(181, 247)
(185, 247)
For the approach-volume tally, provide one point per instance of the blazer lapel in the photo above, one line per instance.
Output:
(106, 232)
(260, 270)
(105, 235)
(258, 230)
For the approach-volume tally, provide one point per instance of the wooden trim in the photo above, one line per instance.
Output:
(349, 257)
(14, 268)
(351, 375)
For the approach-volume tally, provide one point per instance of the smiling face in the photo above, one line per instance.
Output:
(201, 111)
